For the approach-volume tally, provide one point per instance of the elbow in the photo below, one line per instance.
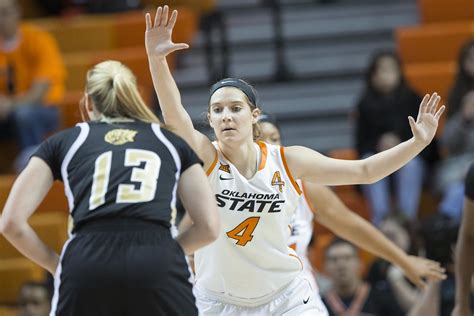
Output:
(9, 228)
(365, 175)
(213, 230)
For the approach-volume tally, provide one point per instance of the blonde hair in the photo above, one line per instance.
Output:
(113, 89)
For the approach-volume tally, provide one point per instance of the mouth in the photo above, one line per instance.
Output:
(228, 129)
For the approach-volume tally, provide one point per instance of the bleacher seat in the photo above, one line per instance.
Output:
(13, 273)
(433, 11)
(433, 43)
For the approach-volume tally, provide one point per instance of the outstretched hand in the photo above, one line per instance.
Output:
(158, 40)
(420, 270)
(424, 129)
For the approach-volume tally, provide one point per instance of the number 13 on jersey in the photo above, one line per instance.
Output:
(243, 232)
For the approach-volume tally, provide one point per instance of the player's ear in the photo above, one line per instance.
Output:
(88, 103)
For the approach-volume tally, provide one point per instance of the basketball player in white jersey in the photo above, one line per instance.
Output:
(249, 270)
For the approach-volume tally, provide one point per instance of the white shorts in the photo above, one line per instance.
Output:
(298, 298)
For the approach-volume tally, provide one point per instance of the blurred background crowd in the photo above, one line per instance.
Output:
(340, 77)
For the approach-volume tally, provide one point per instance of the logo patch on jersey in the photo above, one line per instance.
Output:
(225, 168)
(276, 180)
(120, 136)
(222, 178)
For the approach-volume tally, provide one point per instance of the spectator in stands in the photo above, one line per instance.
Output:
(35, 299)
(32, 77)
(464, 81)
(387, 278)
(350, 295)
(439, 234)
(458, 140)
(381, 123)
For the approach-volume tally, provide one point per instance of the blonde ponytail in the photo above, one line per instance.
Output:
(113, 89)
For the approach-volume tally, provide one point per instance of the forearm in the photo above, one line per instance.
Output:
(357, 230)
(464, 265)
(385, 163)
(194, 238)
(24, 238)
(168, 93)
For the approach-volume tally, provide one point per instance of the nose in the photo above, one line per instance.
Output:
(226, 115)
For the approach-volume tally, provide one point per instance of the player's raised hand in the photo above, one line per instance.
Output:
(424, 129)
(158, 34)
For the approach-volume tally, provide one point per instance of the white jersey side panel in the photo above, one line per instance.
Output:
(301, 234)
(251, 260)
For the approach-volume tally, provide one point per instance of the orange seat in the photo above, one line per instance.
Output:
(430, 43)
(441, 10)
(431, 77)
(13, 273)
(81, 33)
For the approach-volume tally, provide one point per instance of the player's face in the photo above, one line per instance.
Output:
(270, 133)
(231, 116)
(386, 76)
(342, 263)
(34, 301)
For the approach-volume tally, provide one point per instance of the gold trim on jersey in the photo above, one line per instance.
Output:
(120, 136)
(290, 176)
(213, 165)
(263, 150)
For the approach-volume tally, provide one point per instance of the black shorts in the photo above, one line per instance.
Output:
(123, 267)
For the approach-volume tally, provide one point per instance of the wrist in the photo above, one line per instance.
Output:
(418, 143)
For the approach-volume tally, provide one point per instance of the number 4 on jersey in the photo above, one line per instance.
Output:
(243, 232)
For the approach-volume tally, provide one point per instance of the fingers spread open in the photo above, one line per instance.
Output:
(158, 16)
(148, 21)
(434, 105)
(440, 112)
(174, 16)
(164, 16)
(423, 105)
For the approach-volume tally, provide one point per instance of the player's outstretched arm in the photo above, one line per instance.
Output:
(158, 45)
(199, 202)
(309, 165)
(29, 189)
(332, 213)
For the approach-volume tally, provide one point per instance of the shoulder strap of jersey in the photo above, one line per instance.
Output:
(287, 170)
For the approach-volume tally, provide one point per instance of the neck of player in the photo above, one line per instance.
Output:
(243, 156)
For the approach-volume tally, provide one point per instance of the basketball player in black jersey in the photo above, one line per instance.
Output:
(465, 250)
(121, 172)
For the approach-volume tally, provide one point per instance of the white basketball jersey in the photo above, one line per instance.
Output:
(301, 226)
(251, 260)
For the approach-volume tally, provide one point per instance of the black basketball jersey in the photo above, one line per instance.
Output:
(121, 169)
(469, 189)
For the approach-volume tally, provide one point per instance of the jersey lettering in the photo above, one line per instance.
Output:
(147, 177)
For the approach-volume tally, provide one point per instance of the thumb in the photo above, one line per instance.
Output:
(180, 46)
(412, 122)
